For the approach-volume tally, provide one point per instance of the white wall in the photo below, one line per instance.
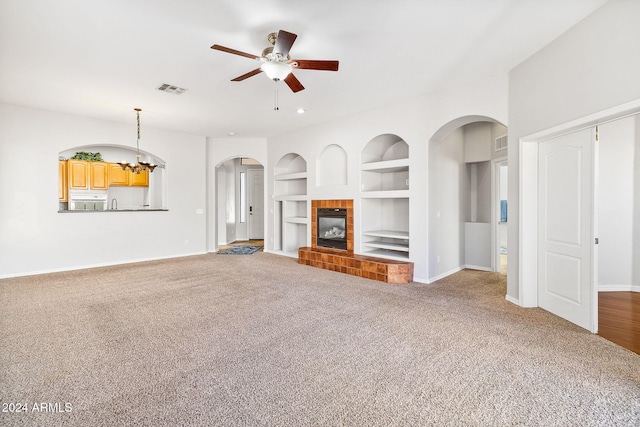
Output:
(221, 205)
(230, 203)
(591, 68)
(616, 203)
(449, 200)
(477, 142)
(35, 238)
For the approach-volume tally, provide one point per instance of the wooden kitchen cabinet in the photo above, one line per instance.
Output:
(63, 187)
(83, 175)
(117, 176)
(99, 176)
(78, 174)
(139, 179)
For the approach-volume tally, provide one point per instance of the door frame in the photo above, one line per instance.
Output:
(495, 210)
(250, 196)
(528, 200)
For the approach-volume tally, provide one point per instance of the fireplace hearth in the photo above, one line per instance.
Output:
(331, 225)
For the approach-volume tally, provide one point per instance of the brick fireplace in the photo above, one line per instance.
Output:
(347, 205)
(344, 260)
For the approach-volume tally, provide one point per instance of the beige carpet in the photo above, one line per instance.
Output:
(261, 341)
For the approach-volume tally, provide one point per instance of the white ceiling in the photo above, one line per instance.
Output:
(102, 58)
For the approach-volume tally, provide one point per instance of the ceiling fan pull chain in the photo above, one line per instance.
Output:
(276, 107)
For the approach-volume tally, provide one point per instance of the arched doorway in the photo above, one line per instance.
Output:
(464, 205)
(239, 201)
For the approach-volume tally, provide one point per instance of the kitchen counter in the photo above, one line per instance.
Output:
(116, 210)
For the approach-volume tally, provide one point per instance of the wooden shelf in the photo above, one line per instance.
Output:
(388, 234)
(296, 220)
(291, 199)
(384, 191)
(382, 253)
(388, 194)
(386, 166)
(388, 245)
(290, 176)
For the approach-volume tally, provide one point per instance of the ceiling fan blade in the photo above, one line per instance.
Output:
(247, 75)
(284, 41)
(233, 51)
(293, 83)
(311, 64)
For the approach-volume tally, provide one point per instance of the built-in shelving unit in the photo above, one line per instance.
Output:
(384, 173)
(291, 204)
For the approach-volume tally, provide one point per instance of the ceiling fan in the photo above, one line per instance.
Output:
(276, 62)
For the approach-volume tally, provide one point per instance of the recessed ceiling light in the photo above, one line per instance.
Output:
(232, 133)
(300, 110)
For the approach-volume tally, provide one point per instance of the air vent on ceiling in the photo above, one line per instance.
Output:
(501, 143)
(171, 89)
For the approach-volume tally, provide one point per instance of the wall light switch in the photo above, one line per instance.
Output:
(199, 211)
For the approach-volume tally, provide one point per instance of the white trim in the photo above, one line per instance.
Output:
(105, 264)
(443, 275)
(512, 300)
(528, 224)
(496, 164)
(614, 288)
(282, 253)
(477, 267)
(528, 204)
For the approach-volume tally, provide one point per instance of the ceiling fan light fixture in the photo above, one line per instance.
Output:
(276, 70)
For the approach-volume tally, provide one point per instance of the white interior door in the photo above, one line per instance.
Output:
(565, 228)
(256, 203)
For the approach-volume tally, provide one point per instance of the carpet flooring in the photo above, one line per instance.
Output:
(189, 341)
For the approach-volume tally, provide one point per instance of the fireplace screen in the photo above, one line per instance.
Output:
(332, 228)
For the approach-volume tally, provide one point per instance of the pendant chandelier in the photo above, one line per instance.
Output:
(138, 166)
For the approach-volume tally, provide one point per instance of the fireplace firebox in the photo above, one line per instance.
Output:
(332, 228)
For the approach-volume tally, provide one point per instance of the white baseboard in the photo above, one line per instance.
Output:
(477, 267)
(618, 288)
(512, 300)
(443, 275)
(105, 264)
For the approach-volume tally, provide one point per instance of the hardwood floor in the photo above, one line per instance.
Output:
(619, 318)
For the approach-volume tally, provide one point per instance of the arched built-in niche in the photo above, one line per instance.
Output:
(462, 209)
(290, 209)
(331, 166)
(384, 173)
(123, 192)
